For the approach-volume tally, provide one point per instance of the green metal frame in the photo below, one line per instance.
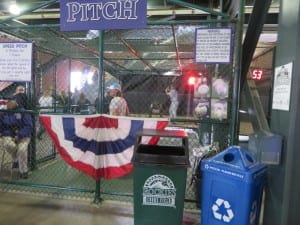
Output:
(222, 18)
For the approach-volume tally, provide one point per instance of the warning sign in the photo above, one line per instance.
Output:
(213, 45)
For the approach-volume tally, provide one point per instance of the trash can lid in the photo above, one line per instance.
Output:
(156, 154)
(235, 162)
(163, 133)
(234, 157)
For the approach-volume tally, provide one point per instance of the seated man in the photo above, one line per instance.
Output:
(16, 128)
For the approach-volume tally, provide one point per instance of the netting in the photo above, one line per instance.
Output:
(69, 78)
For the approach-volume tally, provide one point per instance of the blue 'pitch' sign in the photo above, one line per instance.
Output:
(102, 14)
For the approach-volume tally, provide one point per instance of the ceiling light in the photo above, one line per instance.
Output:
(92, 34)
(14, 9)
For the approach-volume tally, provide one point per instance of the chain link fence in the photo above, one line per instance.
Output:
(67, 81)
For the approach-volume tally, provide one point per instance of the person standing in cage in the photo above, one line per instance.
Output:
(173, 95)
(83, 104)
(63, 101)
(46, 102)
(118, 105)
(16, 129)
(106, 103)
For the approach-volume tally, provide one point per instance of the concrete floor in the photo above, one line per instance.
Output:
(25, 209)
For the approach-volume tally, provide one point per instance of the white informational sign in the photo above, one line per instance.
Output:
(159, 190)
(213, 45)
(15, 61)
(282, 87)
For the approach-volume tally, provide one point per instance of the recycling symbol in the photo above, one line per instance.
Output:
(228, 213)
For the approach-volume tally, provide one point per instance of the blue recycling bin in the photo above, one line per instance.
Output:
(232, 188)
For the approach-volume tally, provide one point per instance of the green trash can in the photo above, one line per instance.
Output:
(159, 177)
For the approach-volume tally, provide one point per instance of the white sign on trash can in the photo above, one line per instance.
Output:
(159, 190)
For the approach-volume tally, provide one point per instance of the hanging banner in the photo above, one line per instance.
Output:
(15, 61)
(102, 14)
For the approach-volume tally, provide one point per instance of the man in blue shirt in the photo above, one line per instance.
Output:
(16, 128)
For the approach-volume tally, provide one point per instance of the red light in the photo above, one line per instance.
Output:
(257, 74)
(191, 80)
